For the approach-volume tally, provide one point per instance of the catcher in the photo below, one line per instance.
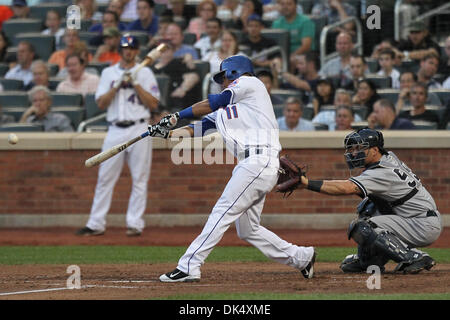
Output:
(396, 215)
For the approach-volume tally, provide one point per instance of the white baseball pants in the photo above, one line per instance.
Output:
(138, 157)
(242, 202)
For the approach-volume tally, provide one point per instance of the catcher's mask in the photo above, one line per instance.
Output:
(233, 67)
(357, 142)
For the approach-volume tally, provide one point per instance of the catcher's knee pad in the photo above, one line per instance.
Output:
(392, 247)
(362, 232)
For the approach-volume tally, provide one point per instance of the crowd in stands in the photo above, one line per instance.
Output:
(394, 85)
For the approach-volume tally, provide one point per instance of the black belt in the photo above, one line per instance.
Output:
(431, 213)
(127, 123)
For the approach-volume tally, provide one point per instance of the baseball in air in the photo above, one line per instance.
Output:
(13, 138)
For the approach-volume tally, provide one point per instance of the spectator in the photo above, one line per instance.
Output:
(336, 11)
(428, 68)
(229, 48)
(230, 10)
(130, 10)
(307, 65)
(147, 19)
(267, 78)
(180, 12)
(387, 61)
(78, 80)
(41, 76)
(109, 19)
(323, 95)
(20, 9)
(344, 118)
(383, 117)
(89, 10)
(71, 37)
(22, 71)
(257, 43)
(366, 95)
(292, 117)
(4, 44)
(206, 10)
(39, 112)
(82, 50)
(163, 23)
(53, 24)
(339, 67)
(419, 95)
(116, 6)
(5, 118)
(249, 7)
(301, 28)
(109, 51)
(174, 34)
(444, 67)
(211, 42)
(358, 70)
(5, 14)
(183, 79)
(342, 97)
(387, 44)
(419, 43)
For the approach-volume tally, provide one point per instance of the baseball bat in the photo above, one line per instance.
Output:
(105, 155)
(151, 56)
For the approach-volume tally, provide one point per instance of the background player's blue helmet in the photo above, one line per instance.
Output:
(356, 142)
(129, 41)
(233, 67)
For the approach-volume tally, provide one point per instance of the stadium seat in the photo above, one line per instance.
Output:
(140, 35)
(424, 125)
(159, 8)
(361, 111)
(164, 87)
(308, 112)
(44, 45)
(284, 94)
(11, 84)
(75, 113)
(439, 110)
(280, 36)
(14, 99)
(91, 106)
(307, 5)
(443, 94)
(390, 94)
(66, 99)
(3, 69)
(13, 27)
(85, 24)
(21, 127)
(16, 112)
(99, 66)
(53, 69)
(189, 38)
(320, 126)
(54, 82)
(278, 109)
(380, 81)
(202, 68)
(409, 65)
(86, 36)
(320, 23)
(40, 10)
(372, 65)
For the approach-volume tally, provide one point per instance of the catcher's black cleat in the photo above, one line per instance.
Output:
(89, 232)
(426, 262)
(178, 276)
(308, 272)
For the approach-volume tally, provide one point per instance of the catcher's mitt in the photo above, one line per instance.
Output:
(290, 176)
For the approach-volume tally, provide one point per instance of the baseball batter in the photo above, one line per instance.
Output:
(397, 214)
(128, 98)
(243, 114)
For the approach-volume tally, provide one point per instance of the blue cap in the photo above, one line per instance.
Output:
(254, 17)
(19, 3)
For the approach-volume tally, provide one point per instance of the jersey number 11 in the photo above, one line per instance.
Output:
(228, 111)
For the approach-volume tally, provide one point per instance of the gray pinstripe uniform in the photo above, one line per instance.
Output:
(414, 217)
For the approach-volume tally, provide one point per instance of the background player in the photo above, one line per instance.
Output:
(128, 98)
(397, 213)
(244, 116)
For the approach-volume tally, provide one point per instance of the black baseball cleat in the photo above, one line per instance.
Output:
(89, 232)
(308, 272)
(178, 276)
(426, 262)
(133, 232)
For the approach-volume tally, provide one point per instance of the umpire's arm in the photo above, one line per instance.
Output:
(332, 187)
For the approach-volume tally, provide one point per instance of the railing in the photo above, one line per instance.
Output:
(324, 57)
(83, 124)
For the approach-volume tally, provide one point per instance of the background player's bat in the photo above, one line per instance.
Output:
(105, 155)
(152, 56)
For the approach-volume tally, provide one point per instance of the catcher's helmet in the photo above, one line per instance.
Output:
(356, 142)
(129, 41)
(233, 67)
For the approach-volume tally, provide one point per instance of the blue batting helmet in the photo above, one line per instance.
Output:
(233, 67)
(129, 41)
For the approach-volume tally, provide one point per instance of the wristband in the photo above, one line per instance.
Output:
(314, 185)
(186, 113)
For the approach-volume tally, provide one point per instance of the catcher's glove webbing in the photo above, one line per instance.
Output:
(290, 176)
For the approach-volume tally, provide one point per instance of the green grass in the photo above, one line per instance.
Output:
(315, 296)
(15, 255)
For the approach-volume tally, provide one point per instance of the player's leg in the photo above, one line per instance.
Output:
(109, 172)
(271, 245)
(139, 157)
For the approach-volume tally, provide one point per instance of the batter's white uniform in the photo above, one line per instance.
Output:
(250, 132)
(125, 106)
